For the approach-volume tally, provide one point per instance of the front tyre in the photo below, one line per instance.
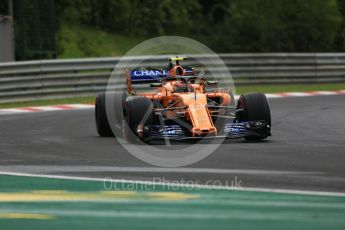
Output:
(253, 107)
(139, 114)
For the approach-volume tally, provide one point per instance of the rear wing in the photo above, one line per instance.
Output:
(147, 76)
(140, 76)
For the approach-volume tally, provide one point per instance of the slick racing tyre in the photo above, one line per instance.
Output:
(139, 111)
(102, 122)
(254, 107)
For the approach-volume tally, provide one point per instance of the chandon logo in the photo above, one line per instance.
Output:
(140, 73)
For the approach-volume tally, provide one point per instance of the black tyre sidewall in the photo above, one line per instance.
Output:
(136, 109)
(255, 108)
(102, 124)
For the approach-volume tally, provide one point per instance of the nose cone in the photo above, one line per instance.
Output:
(204, 132)
(199, 115)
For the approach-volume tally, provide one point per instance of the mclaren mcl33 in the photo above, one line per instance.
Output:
(177, 103)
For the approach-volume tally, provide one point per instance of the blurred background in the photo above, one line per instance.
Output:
(270, 46)
(44, 29)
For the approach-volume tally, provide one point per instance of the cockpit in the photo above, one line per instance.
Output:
(182, 84)
(182, 87)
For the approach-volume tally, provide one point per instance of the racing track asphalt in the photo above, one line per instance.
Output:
(306, 151)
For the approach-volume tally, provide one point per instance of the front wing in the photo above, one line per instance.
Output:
(231, 130)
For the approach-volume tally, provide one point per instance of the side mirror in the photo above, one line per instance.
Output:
(157, 84)
(212, 82)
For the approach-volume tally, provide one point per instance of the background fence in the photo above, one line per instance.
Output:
(54, 79)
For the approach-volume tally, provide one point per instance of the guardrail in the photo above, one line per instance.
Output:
(54, 79)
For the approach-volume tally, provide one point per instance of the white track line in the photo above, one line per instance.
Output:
(46, 108)
(86, 168)
(195, 186)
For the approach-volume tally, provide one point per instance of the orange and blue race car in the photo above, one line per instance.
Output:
(179, 105)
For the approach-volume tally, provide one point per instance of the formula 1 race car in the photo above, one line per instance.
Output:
(180, 106)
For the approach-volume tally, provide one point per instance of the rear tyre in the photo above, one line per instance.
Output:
(139, 111)
(102, 122)
(254, 107)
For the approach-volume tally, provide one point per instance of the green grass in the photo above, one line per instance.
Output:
(41, 203)
(239, 90)
(78, 42)
(289, 88)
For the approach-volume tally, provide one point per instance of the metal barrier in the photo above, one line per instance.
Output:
(54, 79)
